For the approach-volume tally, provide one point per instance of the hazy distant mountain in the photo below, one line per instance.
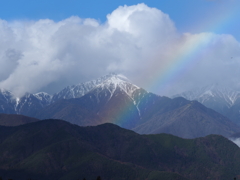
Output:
(15, 120)
(223, 100)
(7, 102)
(189, 121)
(54, 149)
(28, 105)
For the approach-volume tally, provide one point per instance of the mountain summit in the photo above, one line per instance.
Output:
(116, 82)
(206, 95)
(224, 100)
(112, 97)
(79, 90)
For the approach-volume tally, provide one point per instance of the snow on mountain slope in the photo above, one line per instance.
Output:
(30, 103)
(112, 100)
(116, 85)
(25, 105)
(6, 101)
(6, 95)
(44, 98)
(117, 81)
(212, 93)
(76, 91)
(224, 100)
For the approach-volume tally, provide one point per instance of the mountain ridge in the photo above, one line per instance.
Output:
(115, 100)
(55, 149)
(29, 103)
(198, 122)
(187, 119)
(224, 100)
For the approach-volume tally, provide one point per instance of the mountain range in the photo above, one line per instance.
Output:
(55, 149)
(30, 103)
(221, 99)
(113, 99)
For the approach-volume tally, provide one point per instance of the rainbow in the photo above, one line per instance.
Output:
(187, 54)
(126, 114)
(185, 57)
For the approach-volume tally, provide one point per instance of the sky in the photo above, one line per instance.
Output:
(166, 46)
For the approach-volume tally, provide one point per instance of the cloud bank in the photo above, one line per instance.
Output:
(138, 41)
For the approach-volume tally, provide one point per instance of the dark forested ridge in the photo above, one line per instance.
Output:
(55, 149)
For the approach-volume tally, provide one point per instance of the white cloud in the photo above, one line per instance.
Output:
(138, 41)
(236, 141)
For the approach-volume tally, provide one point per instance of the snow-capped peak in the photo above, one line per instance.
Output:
(117, 81)
(79, 90)
(213, 92)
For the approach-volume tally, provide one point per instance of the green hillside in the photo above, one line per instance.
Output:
(55, 149)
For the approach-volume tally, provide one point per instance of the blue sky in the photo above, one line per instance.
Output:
(186, 14)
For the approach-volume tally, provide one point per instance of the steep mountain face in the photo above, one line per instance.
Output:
(6, 102)
(189, 121)
(221, 99)
(28, 105)
(120, 102)
(53, 149)
(107, 102)
(115, 100)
